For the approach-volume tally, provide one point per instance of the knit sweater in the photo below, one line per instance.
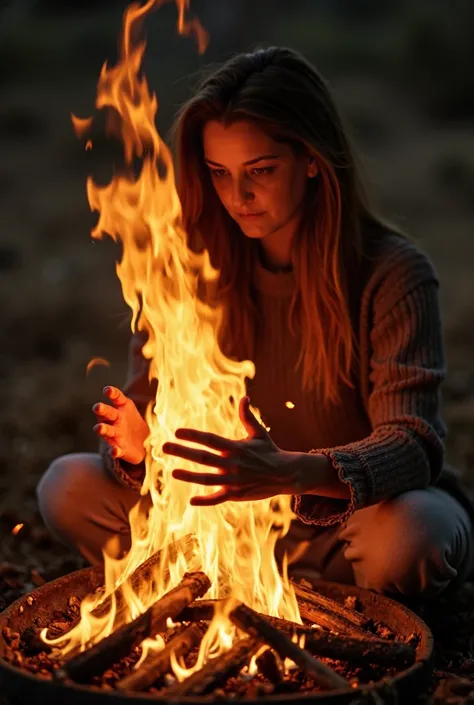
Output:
(384, 436)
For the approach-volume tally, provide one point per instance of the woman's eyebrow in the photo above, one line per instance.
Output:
(250, 161)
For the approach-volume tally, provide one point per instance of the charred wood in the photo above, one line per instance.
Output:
(217, 671)
(157, 664)
(316, 600)
(203, 611)
(95, 660)
(331, 621)
(187, 545)
(257, 626)
(360, 651)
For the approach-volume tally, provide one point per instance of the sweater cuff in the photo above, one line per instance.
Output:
(326, 511)
(128, 475)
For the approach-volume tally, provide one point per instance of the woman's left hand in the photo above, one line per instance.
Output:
(250, 469)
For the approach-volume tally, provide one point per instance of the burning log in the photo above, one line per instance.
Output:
(187, 546)
(360, 651)
(203, 611)
(332, 615)
(155, 665)
(337, 621)
(318, 601)
(217, 671)
(257, 626)
(200, 611)
(83, 666)
(331, 621)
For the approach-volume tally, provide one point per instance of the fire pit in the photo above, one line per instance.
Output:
(402, 659)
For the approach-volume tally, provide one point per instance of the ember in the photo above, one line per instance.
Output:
(95, 362)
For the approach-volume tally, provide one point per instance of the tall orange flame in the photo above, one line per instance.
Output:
(198, 386)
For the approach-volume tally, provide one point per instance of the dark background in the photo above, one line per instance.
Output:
(402, 75)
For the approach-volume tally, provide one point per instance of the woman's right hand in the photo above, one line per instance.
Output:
(121, 426)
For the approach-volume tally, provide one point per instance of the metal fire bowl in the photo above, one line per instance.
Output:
(24, 688)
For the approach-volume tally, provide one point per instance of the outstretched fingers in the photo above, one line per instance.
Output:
(116, 396)
(206, 478)
(211, 500)
(196, 455)
(205, 438)
(109, 434)
(107, 417)
(105, 412)
(251, 424)
(105, 431)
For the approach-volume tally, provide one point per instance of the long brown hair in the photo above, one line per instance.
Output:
(285, 95)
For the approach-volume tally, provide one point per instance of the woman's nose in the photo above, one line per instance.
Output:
(241, 193)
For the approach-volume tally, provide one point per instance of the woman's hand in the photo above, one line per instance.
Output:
(121, 426)
(250, 469)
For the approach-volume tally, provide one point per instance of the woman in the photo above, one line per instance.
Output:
(339, 313)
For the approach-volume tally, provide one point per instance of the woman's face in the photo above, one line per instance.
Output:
(261, 183)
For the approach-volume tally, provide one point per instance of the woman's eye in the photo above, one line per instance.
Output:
(262, 170)
(218, 173)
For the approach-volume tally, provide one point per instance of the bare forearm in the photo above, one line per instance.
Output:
(318, 476)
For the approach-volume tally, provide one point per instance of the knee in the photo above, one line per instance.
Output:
(403, 548)
(64, 491)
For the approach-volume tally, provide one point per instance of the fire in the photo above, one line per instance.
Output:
(96, 361)
(16, 529)
(198, 386)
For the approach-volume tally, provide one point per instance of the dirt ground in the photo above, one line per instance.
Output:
(61, 305)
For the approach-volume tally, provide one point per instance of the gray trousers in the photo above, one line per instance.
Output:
(416, 544)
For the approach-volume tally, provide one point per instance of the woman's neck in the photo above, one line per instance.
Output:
(276, 249)
(273, 263)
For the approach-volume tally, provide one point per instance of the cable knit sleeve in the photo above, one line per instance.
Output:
(405, 450)
(138, 388)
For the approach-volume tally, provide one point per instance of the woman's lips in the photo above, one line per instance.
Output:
(249, 215)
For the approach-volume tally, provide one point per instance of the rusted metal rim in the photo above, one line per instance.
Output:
(24, 688)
